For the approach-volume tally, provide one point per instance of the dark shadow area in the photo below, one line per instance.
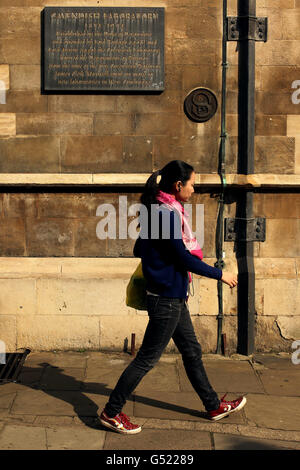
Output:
(72, 391)
(250, 444)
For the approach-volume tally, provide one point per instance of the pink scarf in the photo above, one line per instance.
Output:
(190, 242)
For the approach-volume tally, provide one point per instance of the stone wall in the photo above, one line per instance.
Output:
(64, 288)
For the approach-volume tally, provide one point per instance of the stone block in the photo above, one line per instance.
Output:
(83, 154)
(152, 439)
(275, 103)
(120, 247)
(113, 124)
(25, 77)
(115, 329)
(270, 125)
(4, 76)
(290, 326)
(82, 103)
(206, 24)
(47, 332)
(197, 76)
(19, 205)
(12, 237)
(67, 378)
(8, 330)
(229, 442)
(259, 412)
(7, 124)
(169, 405)
(278, 268)
(173, 77)
(176, 21)
(30, 267)
(24, 102)
(290, 24)
(24, 302)
(157, 124)
(186, 51)
(293, 125)
(169, 101)
(16, 437)
(66, 205)
(285, 230)
(86, 242)
(29, 154)
(49, 237)
(111, 268)
(278, 78)
(268, 337)
(166, 148)
(204, 129)
(55, 124)
(281, 297)
(137, 149)
(274, 154)
(63, 438)
(20, 50)
(196, 149)
(277, 206)
(90, 297)
(286, 384)
(297, 155)
(68, 359)
(163, 377)
(20, 21)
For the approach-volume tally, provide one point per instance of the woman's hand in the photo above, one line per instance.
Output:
(230, 279)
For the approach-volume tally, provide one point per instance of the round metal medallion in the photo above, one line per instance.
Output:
(200, 105)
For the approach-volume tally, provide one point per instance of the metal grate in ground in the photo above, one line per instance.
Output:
(10, 370)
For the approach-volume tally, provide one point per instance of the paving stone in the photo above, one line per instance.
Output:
(154, 439)
(172, 405)
(59, 359)
(285, 384)
(7, 400)
(162, 377)
(269, 411)
(231, 376)
(15, 437)
(63, 403)
(229, 442)
(54, 420)
(70, 438)
(10, 387)
(272, 361)
(56, 378)
(53, 402)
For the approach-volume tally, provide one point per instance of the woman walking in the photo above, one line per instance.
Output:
(167, 262)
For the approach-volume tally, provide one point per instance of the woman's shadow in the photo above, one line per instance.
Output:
(52, 381)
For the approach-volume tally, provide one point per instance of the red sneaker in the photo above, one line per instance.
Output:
(227, 407)
(120, 423)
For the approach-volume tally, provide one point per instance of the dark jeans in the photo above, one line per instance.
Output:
(168, 318)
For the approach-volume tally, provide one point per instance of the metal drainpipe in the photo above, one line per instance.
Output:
(221, 170)
(244, 205)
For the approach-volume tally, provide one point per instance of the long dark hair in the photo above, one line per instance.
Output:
(175, 170)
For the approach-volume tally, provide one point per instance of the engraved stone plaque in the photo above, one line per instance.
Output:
(103, 49)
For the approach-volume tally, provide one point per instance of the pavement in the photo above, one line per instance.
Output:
(59, 395)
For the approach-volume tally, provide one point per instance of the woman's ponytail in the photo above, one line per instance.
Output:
(151, 190)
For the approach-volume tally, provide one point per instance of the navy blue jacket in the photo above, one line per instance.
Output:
(166, 261)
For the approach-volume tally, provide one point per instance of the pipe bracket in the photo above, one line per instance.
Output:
(244, 28)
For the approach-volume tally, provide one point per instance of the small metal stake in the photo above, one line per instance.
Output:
(132, 351)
